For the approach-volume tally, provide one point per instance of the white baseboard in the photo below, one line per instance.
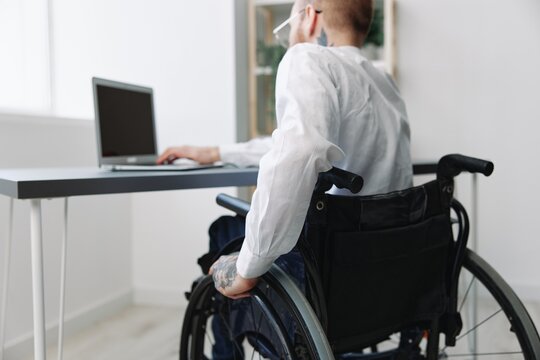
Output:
(156, 297)
(75, 321)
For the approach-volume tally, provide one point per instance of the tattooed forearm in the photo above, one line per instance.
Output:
(224, 271)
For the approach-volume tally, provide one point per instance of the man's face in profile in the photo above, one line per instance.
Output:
(296, 35)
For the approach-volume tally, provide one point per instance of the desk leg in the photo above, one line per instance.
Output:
(5, 283)
(473, 237)
(38, 290)
(63, 284)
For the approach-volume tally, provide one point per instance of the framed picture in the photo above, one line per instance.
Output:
(380, 43)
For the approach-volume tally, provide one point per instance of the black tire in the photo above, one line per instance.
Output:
(521, 326)
(275, 302)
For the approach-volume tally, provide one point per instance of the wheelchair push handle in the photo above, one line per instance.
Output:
(452, 165)
(341, 179)
(236, 205)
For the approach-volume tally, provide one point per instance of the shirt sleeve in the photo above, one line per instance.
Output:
(247, 153)
(303, 145)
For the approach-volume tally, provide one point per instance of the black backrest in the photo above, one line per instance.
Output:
(382, 260)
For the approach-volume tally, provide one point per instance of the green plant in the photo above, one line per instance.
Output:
(269, 54)
(376, 32)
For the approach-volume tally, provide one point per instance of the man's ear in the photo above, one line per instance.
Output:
(312, 21)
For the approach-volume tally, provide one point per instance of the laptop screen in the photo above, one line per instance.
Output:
(126, 122)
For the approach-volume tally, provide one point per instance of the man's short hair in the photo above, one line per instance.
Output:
(347, 15)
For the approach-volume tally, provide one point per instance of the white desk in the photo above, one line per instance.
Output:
(38, 184)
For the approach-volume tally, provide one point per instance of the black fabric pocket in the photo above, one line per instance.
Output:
(378, 281)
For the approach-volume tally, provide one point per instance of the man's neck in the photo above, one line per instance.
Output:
(344, 39)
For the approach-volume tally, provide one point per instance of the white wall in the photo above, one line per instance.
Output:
(469, 72)
(99, 249)
(24, 65)
(185, 51)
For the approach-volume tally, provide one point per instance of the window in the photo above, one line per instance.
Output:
(24, 57)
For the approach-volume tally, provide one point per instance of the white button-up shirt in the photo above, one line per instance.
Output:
(333, 108)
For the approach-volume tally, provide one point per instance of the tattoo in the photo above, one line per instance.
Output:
(224, 271)
(322, 39)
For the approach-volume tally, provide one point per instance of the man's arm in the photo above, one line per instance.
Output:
(247, 153)
(240, 154)
(302, 147)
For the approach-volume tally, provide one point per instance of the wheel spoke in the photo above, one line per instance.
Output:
(225, 322)
(466, 294)
(471, 330)
(479, 324)
(257, 331)
(207, 334)
(258, 323)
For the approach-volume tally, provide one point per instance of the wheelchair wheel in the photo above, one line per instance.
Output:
(277, 323)
(496, 324)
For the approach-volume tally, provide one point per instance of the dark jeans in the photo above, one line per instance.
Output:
(223, 230)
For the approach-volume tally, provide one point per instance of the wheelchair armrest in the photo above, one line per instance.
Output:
(240, 207)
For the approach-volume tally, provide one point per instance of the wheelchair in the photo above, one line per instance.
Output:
(386, 277)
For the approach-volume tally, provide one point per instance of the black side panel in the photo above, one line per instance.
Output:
(382, 280)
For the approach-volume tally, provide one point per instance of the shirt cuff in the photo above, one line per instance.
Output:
(251, 266)
(229, 153)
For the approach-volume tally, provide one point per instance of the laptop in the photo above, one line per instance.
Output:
(125, 128)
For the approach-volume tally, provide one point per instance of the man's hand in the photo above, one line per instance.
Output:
(204, 155)
(227, 281)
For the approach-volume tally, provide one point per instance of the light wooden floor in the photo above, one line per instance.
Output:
(145, 333)
(137, 333)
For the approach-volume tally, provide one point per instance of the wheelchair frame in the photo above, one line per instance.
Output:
(311, 313)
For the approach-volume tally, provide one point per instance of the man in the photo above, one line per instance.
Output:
(333, 109)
